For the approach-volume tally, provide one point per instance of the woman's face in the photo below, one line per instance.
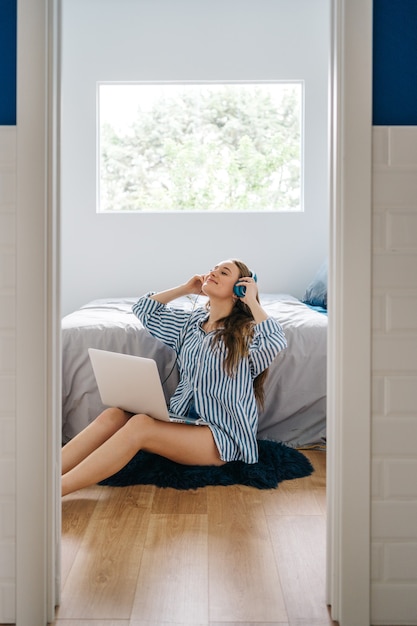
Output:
(220, 280)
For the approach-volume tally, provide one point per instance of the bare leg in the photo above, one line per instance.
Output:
(92, 437)
(190, 445)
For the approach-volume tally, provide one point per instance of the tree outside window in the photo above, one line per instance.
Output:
(200, 147)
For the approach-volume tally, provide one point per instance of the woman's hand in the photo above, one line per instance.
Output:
(251, 289)
(251, 299)
(195, 284)
(192, 286)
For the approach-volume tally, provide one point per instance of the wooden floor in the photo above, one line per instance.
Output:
(144, 556)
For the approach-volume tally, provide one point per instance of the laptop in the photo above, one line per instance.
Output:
(132, 383)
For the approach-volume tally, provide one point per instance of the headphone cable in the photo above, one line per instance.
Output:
(177, 351)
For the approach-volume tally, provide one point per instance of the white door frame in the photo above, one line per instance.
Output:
(38, 359)
(349, 354)
(38, 326)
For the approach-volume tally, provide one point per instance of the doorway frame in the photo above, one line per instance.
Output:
(349, 372)
(38, 330)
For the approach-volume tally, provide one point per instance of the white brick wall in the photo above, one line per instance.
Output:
(394, 375)
(7, 371)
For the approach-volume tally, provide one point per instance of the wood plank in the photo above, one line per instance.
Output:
(89, 622)
(318, 459)
(168, 501)
(325, 621)
(318, 479)
(293, 497)
(173, 579)
(102, 580)
(302, 496)
(250, 624)
(244, 584)
(299, 545)
(77, 509)
(141, 622)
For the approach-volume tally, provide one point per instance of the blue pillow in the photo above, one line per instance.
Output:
(316, 292)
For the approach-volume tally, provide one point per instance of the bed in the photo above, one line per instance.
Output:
(295, 390)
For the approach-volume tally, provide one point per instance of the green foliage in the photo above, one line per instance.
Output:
(230, 149)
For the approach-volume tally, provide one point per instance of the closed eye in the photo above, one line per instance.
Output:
(222, 270)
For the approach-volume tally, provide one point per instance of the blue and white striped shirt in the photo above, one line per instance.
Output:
(226, 403)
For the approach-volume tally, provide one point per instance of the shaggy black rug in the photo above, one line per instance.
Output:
(277, 462)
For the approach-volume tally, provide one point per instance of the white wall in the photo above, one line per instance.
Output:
(7, 371)
(134, 40)
(394, 377)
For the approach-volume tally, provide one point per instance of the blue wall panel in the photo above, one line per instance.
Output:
(8, 15)
(395, 63)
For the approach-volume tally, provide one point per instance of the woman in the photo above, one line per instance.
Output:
(223, 352)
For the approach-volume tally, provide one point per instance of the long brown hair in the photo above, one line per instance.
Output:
(236, 332)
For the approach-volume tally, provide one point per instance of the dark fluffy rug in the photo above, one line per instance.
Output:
(277, 462)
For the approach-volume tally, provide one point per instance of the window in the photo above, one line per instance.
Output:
(200, 147)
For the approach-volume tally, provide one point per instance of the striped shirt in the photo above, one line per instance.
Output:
(226, 403)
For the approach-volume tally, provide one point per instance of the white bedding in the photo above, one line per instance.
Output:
(295, 390)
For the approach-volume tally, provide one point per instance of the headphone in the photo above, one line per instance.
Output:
(240, 290)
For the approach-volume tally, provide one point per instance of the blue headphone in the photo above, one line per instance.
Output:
(240, 290)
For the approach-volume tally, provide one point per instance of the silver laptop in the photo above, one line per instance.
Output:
(132, 383)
